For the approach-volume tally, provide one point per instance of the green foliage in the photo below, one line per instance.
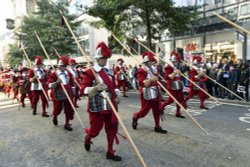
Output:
(47, 22)
(145, 18)
(15, 55)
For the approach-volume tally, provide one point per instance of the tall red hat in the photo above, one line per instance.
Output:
(148, 56)
(175, 56)
(72, 61)
(197, 59)
(63, 60)
(121, 60)
(102, 50)
(38, 60)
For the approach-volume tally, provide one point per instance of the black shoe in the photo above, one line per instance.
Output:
(205, 108)
(55, 122)
(23, 105)
(160, 130)
(77, 106)
(34, 113)
(87, 144)
(45, 115)
(125, 96)
(68, 128)
(134, 123)
(180, 116)
(113, 157)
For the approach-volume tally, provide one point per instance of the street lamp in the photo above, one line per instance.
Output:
(10, 24)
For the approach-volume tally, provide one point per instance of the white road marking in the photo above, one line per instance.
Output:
(134, 106)
(247, 114)
(245, 119)
(240, 105)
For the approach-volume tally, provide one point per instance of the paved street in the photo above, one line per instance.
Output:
(33, 141)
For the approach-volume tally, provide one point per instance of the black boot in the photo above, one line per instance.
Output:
(55, 122)
(87, 143)
(205, 108)
(113, 157)
(160, 130)
(34, 112)
(68, 128)
(134, 123)
(179, 116)
(45, 114)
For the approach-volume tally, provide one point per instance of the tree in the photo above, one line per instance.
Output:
(145, 18)
(47, 22)
(15, 55)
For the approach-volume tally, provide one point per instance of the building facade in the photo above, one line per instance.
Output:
(212, 36)
(17, 9)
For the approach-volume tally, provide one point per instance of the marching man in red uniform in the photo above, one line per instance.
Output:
(16, 83)
(120, 78)
(60, 100)
(36, 88)
(76, 74)
(25, 86)
(100, 112)
(7, 82)
(149, 93)
(197, 75)
(174, 83)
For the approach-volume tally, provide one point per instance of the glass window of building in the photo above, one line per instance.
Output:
(229, 1)
(244, 9)
(231, 12)
(217, 1)
(30, 6)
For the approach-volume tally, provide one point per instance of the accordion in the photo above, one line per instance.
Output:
(199, 84)
(98, 103)
(176, 85)
(150, 93)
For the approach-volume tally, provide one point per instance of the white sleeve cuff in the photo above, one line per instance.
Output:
(117, 92)
(86, 90)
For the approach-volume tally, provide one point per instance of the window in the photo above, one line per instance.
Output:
(229, 1)
(244, 9)
(217, 1)
(30, 6)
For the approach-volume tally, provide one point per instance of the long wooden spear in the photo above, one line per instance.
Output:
(129, 80)
(64, 89)
(106, 96)
(192, 81)
(180, 73)
(231, 23)
(239, 28)
(159, 83)
(44, 92)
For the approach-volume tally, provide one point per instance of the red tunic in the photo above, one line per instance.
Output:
(53, 78)
(88, 80)
(43, 80)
